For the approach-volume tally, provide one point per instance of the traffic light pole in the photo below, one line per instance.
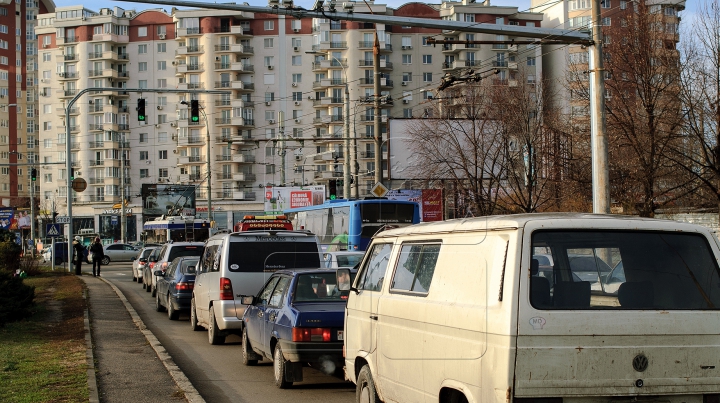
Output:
(32, 211)
(68, 143)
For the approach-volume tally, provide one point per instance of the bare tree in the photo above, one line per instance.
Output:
(699, 153)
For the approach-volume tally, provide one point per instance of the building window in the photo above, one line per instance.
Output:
(427, 77)
(161, 29)
(142, 84)
(143, 138)
(143, 155)
(269, 25)
(142, 66)
(162, 154)
(427, 59)
(268, 42)
(161, 47)
(297, 60)
(163, 173)
(530, 61)
(142, 49)
(142, 31)
(161, 65)
(406, 59)
(297, 78)
(144, 173)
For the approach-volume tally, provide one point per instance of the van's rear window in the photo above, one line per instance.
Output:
(177, 251)
(270, 256)
(623, 270)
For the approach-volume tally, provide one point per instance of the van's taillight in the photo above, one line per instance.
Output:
(226, 292)
(537, 400)
(184, 286)
(311, 334)
(711, 398)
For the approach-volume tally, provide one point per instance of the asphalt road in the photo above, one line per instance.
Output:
(217, 371)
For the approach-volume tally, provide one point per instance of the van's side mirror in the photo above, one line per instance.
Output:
(159, 273)
(343, 279)
(153, 259)
(143, 260)
(247, 299)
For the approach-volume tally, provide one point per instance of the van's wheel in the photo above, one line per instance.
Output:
(193, 317)
(279, 364)
(215, 336)
(158, 305)
(172, 313)
(365, 391)
(134, 278)
(246, 350)
(147, 287)
(105, 261)
(153, 290)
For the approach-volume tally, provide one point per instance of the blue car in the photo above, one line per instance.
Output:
(297, 318)
(175, 286)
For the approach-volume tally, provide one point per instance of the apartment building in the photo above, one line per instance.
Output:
(281, 106)
(18, 99)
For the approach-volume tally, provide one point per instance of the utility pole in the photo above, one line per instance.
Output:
(598, 135)
(281, 145)
(123, 229)
(32, 215)
(376, 100)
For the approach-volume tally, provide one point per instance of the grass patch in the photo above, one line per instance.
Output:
(42, 359)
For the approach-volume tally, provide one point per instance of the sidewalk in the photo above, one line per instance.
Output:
(130, 364)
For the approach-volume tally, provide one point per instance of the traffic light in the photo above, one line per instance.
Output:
(141, 109)
(194, 110)
(72, 174)
(332, 185)
(33, 174)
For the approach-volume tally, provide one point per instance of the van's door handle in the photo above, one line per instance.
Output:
(260, 314)
(373, 317)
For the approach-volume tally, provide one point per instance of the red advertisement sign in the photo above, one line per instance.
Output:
(300, 198)
(432, 205)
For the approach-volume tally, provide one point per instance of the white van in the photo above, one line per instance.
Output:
(461, 311)
(239, 264)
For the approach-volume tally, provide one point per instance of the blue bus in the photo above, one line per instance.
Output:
(349, 224)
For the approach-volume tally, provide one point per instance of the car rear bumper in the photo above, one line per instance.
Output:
(226, 315)
(181, 303)
(312, 352)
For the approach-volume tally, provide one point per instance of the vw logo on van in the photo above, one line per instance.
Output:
(640, 363)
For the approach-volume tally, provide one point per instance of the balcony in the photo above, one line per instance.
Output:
(95, 127)
(191, 86)
(191, 159)
(73, 111)
(68, 75)
(327, 64)
(499, 46)
(499, 63)
(241, 67)
(96, 181)
(223, 176)
(243, 177)
(240, 137)
(243, 158)
(224, 157)
(182, 32)
(384, 82)
(243, 195)
(194, 177)
(189, 141)
(369, 63)
(185, 68)
(367, 154)
(187, 50)
(110, 38)
(97, 144)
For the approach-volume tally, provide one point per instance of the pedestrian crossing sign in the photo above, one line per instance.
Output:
(53, 230)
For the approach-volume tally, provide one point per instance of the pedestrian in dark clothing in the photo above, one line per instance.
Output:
(79, 252)
(97, 254)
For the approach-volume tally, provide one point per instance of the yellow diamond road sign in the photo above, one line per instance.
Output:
(379, 190)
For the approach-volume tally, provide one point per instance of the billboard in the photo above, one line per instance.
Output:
(159, 199)
(430, 200)
(278, 199)
(7, 218)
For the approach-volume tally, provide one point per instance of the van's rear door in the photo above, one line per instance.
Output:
(648, 326)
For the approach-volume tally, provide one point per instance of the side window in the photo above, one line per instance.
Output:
(160, 254)
(171, 271)
(264, 295)
(415, 267)
(208, 258)
(128, 247)
(276, 297)
(373, 272)
(217, 264)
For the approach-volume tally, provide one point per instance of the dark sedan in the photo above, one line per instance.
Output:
(297, 318)
(175, 286)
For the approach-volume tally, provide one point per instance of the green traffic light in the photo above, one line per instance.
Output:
(332, 197)
(195, 118)
(141, 117)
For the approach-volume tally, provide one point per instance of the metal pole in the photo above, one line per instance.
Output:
(32, 215)
(52, 250)
(598, 134)
(378, 134)
(209, 166)
(346, 133)
(122, 191)
(68, 168)
(281, 145)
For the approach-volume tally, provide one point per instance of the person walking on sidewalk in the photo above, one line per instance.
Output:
(79, 252)
(98, 255)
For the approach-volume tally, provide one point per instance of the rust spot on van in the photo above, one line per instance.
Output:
(579, 349)
(508, 392)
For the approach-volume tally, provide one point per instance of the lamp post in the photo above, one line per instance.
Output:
(209, 171)
(346, 127)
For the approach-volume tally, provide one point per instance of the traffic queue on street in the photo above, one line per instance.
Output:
(531, 308)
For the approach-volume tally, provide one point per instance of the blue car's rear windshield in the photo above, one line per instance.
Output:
(319, 287)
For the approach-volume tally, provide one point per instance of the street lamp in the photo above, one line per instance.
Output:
(346, 127)
(209, 172)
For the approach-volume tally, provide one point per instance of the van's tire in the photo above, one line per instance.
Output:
(457, 397)
(148, 287)
(215, 336)
(172, 313)
(153, 290)
(279, 364)
(105, 261)
(365, 391)
(158, 305)
(247, 350)
(193, 317)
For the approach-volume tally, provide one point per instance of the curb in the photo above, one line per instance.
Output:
(191, 394)
(92, 380)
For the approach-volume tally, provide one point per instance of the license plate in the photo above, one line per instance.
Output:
(340, 335)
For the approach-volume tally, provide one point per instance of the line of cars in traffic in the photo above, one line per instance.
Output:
(275, 289)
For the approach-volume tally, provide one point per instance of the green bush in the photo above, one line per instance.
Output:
(16, 298)
(9, 251)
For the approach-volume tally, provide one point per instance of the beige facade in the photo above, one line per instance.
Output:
(281, 102)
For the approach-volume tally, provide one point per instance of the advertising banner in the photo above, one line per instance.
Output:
(432, 205)
(7, 218)
(159, 199)
(278, 199)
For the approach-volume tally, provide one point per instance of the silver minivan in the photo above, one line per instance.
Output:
(239, 264)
